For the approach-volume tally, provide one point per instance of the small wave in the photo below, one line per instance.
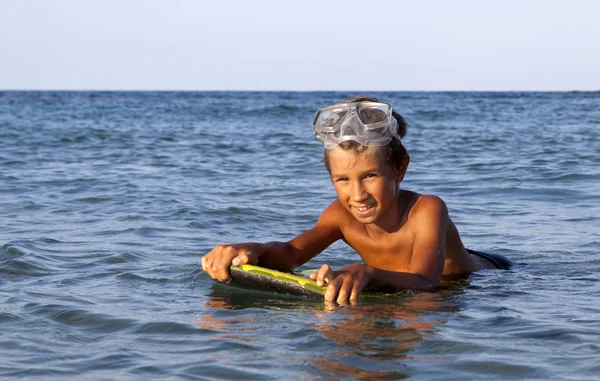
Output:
(15, 262)
(75, 139)
(9, 162)
(142, 231)
(136, 277)
(6, 317)
(576, 177)
(82, 319)
(93, 200)
(271, 110)
(123, 257)
(166, 328)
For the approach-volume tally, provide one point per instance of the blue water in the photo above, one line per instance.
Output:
(109, 200)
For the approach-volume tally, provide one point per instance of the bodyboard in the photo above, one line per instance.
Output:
(260, 278)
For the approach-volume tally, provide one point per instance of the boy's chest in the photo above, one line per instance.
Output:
(390, 252)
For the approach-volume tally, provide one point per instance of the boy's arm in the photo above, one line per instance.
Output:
(429, 249)
(308, 244)
(283, 256)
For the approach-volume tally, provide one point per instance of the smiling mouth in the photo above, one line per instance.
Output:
(364, 210)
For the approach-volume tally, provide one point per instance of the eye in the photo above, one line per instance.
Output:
(371, 175)
(339, 179)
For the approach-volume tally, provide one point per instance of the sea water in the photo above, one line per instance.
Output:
(108, 201)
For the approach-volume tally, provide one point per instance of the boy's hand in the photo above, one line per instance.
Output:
(216, 263)
(344, 285)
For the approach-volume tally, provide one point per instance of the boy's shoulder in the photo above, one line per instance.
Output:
(424, 205)
(336, 210)
(335, 215)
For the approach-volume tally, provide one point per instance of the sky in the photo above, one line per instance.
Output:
(302, 45)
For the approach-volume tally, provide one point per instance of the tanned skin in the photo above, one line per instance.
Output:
(406, 240)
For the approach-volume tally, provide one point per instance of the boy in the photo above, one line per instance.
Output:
(406, 240)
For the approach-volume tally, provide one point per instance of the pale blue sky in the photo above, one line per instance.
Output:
(300, 45)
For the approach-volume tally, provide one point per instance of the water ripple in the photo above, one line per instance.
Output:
(110, 199)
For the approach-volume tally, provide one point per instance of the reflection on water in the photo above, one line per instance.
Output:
(367, 340)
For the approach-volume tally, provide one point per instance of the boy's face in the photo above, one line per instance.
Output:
(365, 184)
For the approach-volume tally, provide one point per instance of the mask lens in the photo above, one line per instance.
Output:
(328, 120)
(373, 115)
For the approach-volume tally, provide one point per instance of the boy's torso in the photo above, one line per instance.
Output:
(393, 251)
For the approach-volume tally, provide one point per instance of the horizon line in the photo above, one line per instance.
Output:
(297, 91)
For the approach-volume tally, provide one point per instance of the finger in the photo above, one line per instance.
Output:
(221, 268)
(239, 260)
(207, 266)
(220, 271)
(224, 274)
(206, 260)
(344, 291)
(245, 258)
(325, 275)
(332, 290)
(356, 290)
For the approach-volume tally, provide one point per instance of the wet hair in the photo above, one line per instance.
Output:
(392, 153)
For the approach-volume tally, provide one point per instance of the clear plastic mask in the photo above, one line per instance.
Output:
(367, 123)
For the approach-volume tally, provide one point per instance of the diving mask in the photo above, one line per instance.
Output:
(367, 123)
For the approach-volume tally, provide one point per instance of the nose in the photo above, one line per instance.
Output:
(359, 193)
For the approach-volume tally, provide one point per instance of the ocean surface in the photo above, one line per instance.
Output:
(108, 201)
